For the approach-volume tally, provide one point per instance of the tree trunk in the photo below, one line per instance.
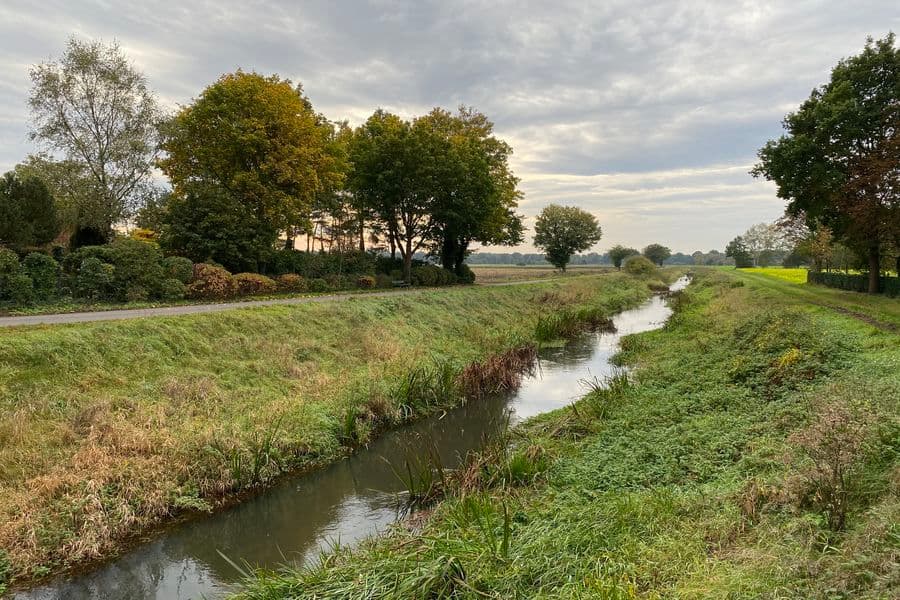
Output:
(407, 262)
(897, 266)
(362, 234)
(448, 252)
(874, 269)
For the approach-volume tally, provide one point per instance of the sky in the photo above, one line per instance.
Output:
(646, 114)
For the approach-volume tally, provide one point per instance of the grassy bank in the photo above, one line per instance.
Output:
(753, 454)
(108, 429)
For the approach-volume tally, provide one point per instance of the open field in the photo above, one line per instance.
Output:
(108, 429)
(791, 275)
(504, 273)
(755, 453)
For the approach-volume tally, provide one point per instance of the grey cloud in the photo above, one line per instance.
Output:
(658, 96)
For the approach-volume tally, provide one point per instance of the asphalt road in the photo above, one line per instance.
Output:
(194, 309)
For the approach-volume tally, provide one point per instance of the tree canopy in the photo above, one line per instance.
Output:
(561, 231)
(657, 253)
(27, 212)
(837, 164)
(618, 253)
(96, 109)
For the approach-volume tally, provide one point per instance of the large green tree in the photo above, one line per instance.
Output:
(837, 162)
(657, 253)
(388, 175)
(259, 141)
(618, 253)
(27, 212)
(561, 231)
(96, 109)
(467, 176)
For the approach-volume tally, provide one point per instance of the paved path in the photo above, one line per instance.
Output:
(193, 309)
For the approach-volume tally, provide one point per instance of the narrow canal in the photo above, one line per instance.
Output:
(301, 517)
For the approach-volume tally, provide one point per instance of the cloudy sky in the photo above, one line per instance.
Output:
(647, 114)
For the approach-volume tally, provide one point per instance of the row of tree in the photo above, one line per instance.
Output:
(250, 162)
(838, 163)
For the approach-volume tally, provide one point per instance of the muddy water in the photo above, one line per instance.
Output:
(301, 517)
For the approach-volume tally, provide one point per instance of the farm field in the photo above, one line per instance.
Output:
(752, 453)
(505, 273)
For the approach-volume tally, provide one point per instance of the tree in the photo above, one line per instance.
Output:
(561, 231)
(96, 109)
(474, 193)
(273, 158)
(763, 241)
(618, 253)
(27, 212)
(387, 176)
(837, 162)
(206, 222)
(737, 249)
(657, 253)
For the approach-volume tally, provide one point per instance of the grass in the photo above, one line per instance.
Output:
(700, 476)
(508, 273)
(110, 429)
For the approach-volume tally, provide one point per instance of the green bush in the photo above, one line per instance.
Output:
(466, 275)
(432, 275)
(339, 282)
(19, 289)
(9, 262)
(94, 279)
(383, 280)
(136, 293)
(138, 265)
(172, 289)
(291, 282)
(254, 284)
(318, 285)
(365, 282)
(211, 283)
(178, 267)
(44, 273)
(638, 265)
(889, 286)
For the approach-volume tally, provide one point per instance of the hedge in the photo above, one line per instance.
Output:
(889, 286)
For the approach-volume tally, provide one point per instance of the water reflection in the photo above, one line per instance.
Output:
(302, 516)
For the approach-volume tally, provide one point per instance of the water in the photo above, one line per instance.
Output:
(302, 516)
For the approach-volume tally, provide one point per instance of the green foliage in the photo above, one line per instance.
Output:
(138, 268)
(211, 282)
(253, 284)
(365, 282)
(207, 222)
(639, 265)
(465, 274)
(44, 273)
(94, 280)
(172, 289)
(178, 267)
(657, 253)
(290, 282)
(27, 212)
(738, 250)
(564, 230)
(889, 286)
(267, 166)
(317, 285)
(432, 275)
(94, 107)
(618, 253)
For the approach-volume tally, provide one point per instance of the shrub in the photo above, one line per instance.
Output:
(19, 289)
(94, 279)
(365, 282)
(138, 265)
(178, 267)
(638, 265)
(210, 283)
(254, 284)
(890, 286)
(833, 443)
(383, 280)
(172, 289)
(339, 282)
(9, 262)
(44, 273)
(318, 285)
(432, 275)
(136, 293)
(466, 274)
(291, 282)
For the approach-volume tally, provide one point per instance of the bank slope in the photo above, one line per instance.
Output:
(754, 454)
